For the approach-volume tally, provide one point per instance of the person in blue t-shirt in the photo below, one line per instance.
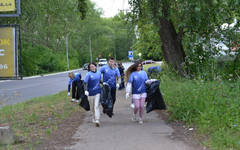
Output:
(136, 78)
(93, 90)
(74, 79)
(110, 72)
(154, 71)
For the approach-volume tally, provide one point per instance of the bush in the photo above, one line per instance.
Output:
(211, 106)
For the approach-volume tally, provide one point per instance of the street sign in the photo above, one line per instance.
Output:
(130, 55)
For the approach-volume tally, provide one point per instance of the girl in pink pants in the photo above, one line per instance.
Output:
(136, 78)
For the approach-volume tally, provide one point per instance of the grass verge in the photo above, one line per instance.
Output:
(35, 120)
(211, 107)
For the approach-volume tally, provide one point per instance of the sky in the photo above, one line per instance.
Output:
(111, 7)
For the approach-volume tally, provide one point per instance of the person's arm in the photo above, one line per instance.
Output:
(128, 88)
(69, 85)
(86, 82)
(85, 86)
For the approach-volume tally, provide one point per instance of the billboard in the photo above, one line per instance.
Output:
(7, 51)
(7, 5)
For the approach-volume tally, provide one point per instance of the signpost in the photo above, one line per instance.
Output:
(130, 55)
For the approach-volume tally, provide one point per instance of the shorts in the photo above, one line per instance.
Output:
(138, 96)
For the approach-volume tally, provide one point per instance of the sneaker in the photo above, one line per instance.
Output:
(97, 123)
(132, 105)
(77, 101)
(140, 120)
(73, 100)
(134, 118)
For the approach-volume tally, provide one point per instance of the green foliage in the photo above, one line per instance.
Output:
(40, 59)
(45, 26)
(212, 107)
(199, 29)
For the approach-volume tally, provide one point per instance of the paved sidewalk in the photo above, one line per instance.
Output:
(120, 133)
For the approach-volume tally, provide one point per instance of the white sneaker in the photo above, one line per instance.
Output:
(134, 118)
(77, 101)
(132, 105)
(97, 123)
(73, 100)
(140, 120)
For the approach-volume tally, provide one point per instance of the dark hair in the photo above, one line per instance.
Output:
(119, 63)
(111, 58)
(93, 63)
(131, 69)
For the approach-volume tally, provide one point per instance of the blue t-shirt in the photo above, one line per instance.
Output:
(93, 80)
(109, 75)
(76, 79)
(154, 69)
(138, 81)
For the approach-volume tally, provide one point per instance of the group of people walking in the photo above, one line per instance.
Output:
(114, 77)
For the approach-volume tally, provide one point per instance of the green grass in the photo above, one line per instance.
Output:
(212, 107)
(36, 119)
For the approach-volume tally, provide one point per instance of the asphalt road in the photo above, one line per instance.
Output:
(15, 91)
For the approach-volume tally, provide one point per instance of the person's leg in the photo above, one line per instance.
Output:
(137, 105)
(92, 104)
(77, 94)
(135, 110)
(141, 106)
(113, 94)
(97, 109)
(74, 85)
(123, 86)
(97, 106)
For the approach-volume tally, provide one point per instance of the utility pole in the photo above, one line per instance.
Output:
(90, 47)
(67, 50)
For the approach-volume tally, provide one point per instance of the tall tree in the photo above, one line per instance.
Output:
(174, 18)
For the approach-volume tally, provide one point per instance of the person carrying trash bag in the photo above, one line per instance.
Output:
(106, 100)
(136, 78)
(93, 91)
(110, 73)
(74, 79)
(84, 99)
(154, 71)
(154, 96)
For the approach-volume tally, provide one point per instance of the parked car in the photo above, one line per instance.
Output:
(148, 62)
(85, 66)
(102, 62)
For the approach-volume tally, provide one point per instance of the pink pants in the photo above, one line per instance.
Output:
(139, 105)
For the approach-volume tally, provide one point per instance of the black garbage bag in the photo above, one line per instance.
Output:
(106, 100)
(154, 97)
(80, 89)
(84, 99)
(85, 103)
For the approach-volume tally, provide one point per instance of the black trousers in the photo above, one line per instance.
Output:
(75, 91)
(113, 94)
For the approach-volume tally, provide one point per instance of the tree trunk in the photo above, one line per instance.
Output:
(172, 48)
